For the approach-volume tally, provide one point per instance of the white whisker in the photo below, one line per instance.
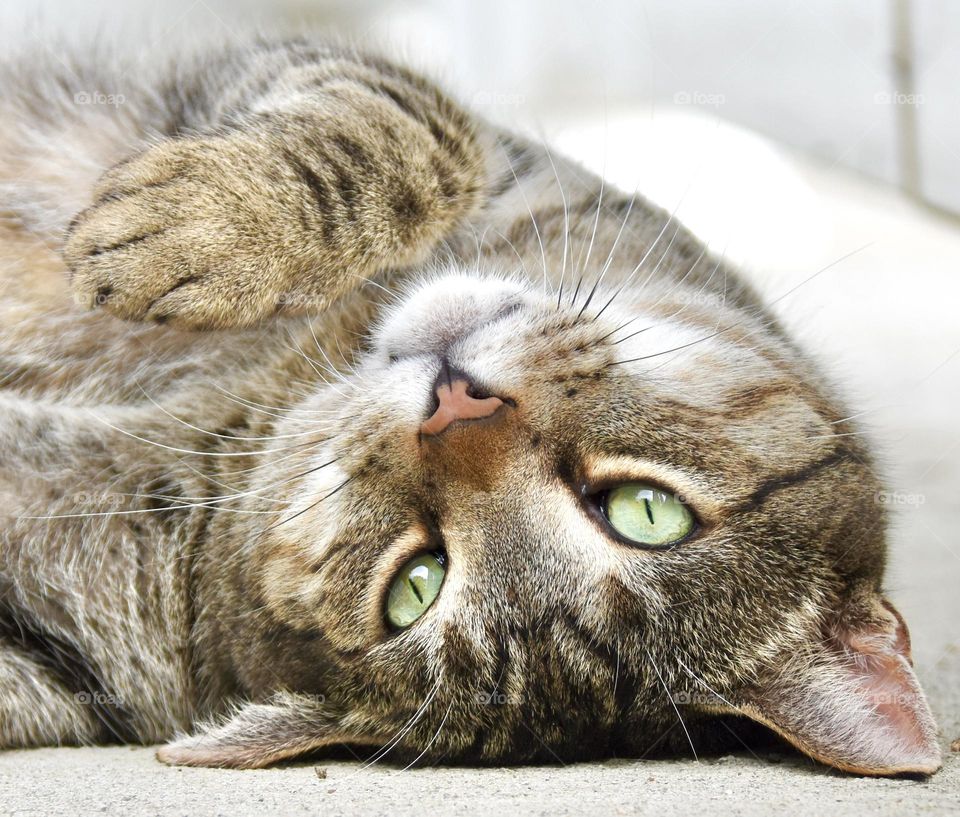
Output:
(673, 703)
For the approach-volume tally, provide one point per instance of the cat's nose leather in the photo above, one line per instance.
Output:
(456, 403)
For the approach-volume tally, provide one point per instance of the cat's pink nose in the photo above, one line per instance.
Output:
(456, 403)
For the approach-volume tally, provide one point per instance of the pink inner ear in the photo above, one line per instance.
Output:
(854, 702)
(880, 662)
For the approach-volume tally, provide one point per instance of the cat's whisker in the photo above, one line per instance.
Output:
(330, 368)
(190, 450)
(634, 334)
(753, 315)
(370, 282)
(693, 676)
(613, 248)
(480, 240)
(669, 317)
(298, 452)
(533, 219)
(678, 284)
(510, 244)
(178, 502)
(217, 434)
(566, 225)
(316, 367)
(313, 504)
(862, 433)
(820, 272)
(612, 332)
(647, 328)
(234, 491)
(430, 742)
(582, 262)
(580, 267)
(262, 407)
(760, 326)
(349, 361)
(616, 666)
(643, 260)
(141, 511)
(699, 341)
(660, 260)
(623, 224)
(239, 494)
(864, 413)
(762, 323)
(706, 686)
(646, 254)
(673, 703)
(405, 729)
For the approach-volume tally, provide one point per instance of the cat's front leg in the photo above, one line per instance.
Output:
(37, 707)
(285, 209)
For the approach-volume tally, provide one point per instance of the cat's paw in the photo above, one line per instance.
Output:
(197, 232)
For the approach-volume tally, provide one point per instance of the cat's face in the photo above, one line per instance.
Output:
(561, 629)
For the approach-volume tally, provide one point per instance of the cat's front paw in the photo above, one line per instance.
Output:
(196, 232)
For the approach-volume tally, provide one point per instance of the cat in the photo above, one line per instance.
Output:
(333, 414)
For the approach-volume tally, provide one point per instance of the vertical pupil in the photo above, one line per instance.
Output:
(646, 504)
(417, 580)
(416, 590)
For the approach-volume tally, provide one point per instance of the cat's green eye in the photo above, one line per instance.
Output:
(414, 589)
(647, 515)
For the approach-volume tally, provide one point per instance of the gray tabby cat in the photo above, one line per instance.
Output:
(336, 415)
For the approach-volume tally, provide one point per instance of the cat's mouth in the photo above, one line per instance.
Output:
(445, 312)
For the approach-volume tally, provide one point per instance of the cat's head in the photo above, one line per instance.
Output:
(530, 527)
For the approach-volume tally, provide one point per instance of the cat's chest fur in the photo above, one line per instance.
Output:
(118, 443)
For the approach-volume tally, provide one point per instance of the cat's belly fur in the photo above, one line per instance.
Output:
(108, 590)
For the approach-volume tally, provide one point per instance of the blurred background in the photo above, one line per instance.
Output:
(815, 143)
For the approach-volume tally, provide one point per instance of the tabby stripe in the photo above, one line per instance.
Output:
(785, 481)
(125, 243)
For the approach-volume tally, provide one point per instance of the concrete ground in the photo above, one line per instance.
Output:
(884, 321)
(129, 781)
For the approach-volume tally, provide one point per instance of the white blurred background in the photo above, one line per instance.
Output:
(812, 141)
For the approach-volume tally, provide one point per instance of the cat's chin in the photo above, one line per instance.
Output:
(443, 310)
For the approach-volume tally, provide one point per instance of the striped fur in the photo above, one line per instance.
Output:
(200, 524)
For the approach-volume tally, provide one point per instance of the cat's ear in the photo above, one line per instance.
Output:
(853, 701)
(256, 735)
